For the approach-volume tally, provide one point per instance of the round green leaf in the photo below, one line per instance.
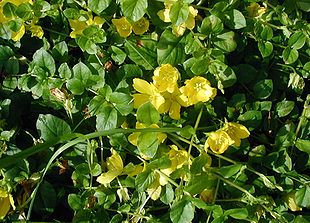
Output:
(134, 9)
(182, 211)
(297, 40)
(148, 114)
(97, 6)
(284, 108)
(179, 13)
(263, 88)
(290, 55)
(265, 48)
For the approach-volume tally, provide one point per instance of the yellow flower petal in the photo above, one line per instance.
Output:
(141, 26)
(36, 31)
(236, 132)
(255, 10)
(115, 167)
(164, 15)
(218, 141)
(197, 89)
(123, 27)
(165, 78)
(16, 36)
(139, 99)
(154, 189)
(142, 86)
(132, 170)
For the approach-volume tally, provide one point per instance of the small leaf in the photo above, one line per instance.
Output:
(303, 197)
(263, 88)
(182, 211)
(211, 24)
(179, 13)
(303, 145)
(170, 49)
(284, 107)
(167, 194)
(148, 114)
(225, 41)
(118, 55)
(107, 119)
(265, 48)
(230, 170)
(134, 9)
(297, 40)
(44, 60)
(148, 144)
(251, 118)
(235, 19)
(50, 127)
(75, 202)
(122, 102)
(290, 55)
(237, 213)
(97, 6)
(144, 180)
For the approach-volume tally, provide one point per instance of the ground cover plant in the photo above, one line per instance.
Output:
(154, 111)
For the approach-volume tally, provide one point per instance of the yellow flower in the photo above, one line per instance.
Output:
(290, 200)
(16, 36)
(36, 31)
(133, 138)
(236, 132)
(172, 104)
(165, 78)
(255, 10)
(6, 202)
(197, 89)
(141, 26)
(115, 168)
(164, 15)
(218, 141)
(178, 159)
(123, 27)
(147, 92)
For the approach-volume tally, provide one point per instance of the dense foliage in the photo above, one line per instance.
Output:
(154, 111)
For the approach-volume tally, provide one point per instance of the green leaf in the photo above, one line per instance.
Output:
(97, 6)
(196, 185)
(211, 24)
(167, 194)
(170, 49)
(285, 136)
(182, 211)
(50, 127)
(304, 5)
(230, 170)
(179, 13)
(46, 201)
(76, 86)
(12, 66)
(297, 40)
(144, 180)
(60, 51)
(297, 83)
(81, 74)
(235, 19)
(303, 197)
(251, 118)
(237, 213)
(303, 145)
(134, 9)
(9, 9)
(107, 119)
(284, 108)
(225, 41)
(24, 11)
(64, 71)
(263, 88)
(122, 102)
(265, 48)
(290, 55)
(148, 144)
(148, 114)
(75, 202)
(144, 54)
(44, 60)
(5, 52)
(118, 55)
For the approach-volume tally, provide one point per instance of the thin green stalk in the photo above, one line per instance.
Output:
(194, 135)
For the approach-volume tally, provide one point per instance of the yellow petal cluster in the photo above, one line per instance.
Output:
(114, 166)
(230, 134)
(197, 89)
(125, 28)
(165, 78)
(6, 202)
(179, 30)
(255, 10)
(165, 94)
